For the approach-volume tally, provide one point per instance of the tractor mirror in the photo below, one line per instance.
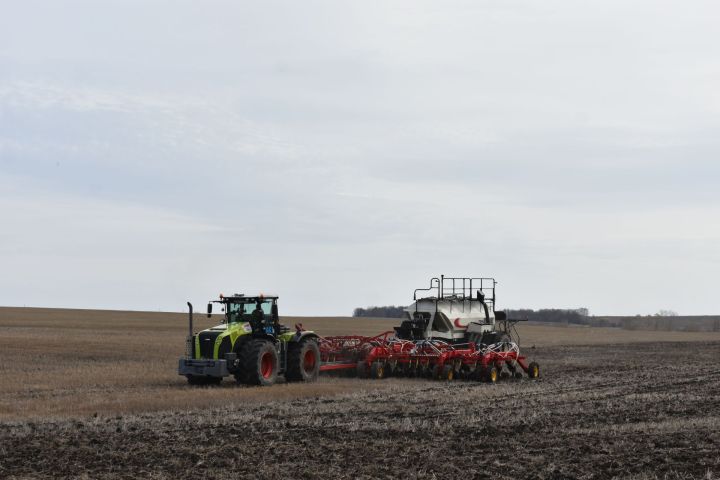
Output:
(209, 309)
(500, 315)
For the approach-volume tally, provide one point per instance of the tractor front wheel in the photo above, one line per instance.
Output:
(259, 363)
(303, 361)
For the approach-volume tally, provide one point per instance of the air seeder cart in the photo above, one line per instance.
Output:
(452, 330)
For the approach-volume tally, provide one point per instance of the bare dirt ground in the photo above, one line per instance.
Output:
(95, 395)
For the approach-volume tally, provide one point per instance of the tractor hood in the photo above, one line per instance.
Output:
(208, 342)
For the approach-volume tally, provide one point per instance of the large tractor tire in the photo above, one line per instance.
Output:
(303, 361)
(258, 363)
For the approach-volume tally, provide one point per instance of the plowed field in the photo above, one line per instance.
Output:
(626, 409)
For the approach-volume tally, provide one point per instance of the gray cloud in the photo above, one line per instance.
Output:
(338, 153)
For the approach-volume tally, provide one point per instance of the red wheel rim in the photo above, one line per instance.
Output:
(309, 361)
(266, 365)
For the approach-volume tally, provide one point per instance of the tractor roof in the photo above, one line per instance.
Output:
(240, 298)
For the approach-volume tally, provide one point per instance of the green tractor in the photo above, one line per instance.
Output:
(251, 345)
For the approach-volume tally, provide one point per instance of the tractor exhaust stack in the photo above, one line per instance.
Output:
(189, 342)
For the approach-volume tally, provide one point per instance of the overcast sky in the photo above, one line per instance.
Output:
(339, 154)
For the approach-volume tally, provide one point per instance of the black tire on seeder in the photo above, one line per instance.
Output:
(491, 374)
(362, 369)
(533, 370)
(377, 370)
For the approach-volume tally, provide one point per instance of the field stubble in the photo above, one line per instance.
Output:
(96, 395)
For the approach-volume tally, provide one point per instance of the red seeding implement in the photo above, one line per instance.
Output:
(452, 332)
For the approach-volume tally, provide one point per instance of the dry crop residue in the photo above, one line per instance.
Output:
(636, 410)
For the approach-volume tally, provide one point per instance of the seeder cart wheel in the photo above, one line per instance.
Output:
(491, 374)
(436, 372)
(533, 370)
(361, 369)
(448, 372)
(377, 370)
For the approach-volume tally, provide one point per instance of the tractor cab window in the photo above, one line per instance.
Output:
(236, 312)
(266, 307)
(243, 312)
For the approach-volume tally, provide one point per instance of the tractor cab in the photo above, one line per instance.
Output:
(260, 312)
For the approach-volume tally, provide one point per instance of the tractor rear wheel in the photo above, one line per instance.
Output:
(303, 361)
(533, 370)
(258, 363)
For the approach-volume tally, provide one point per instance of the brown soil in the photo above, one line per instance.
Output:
(601, 411)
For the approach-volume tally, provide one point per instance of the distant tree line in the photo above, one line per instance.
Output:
(704, 323)
(390, 311)
(555, 315)
(663, 320)
(579, 316)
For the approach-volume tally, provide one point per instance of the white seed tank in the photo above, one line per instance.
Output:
(453, 309)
